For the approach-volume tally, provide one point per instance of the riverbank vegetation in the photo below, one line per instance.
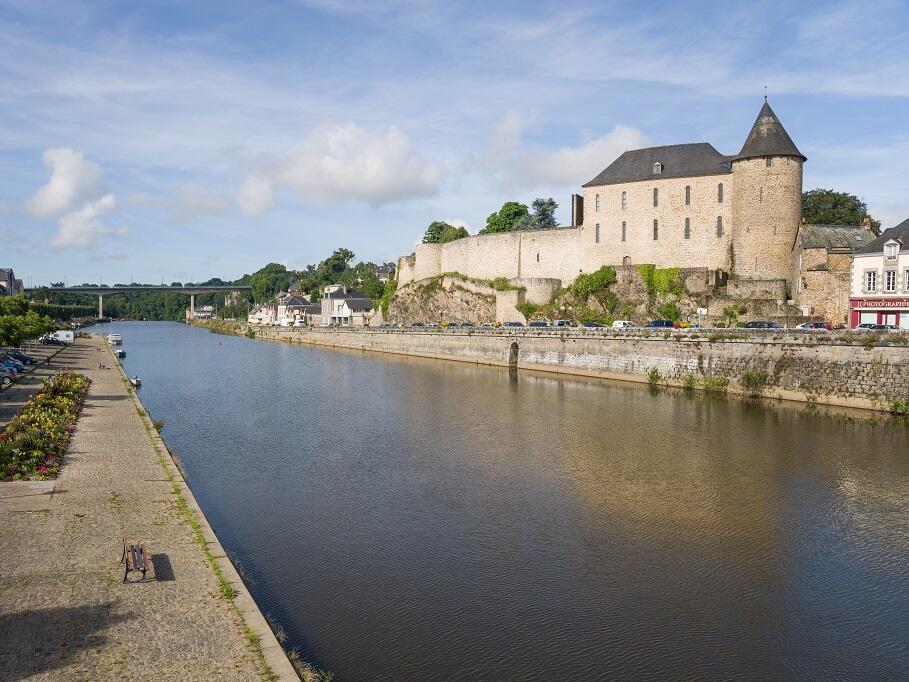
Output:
(33, 443)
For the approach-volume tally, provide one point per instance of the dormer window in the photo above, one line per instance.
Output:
(657, 168)
(891, 250)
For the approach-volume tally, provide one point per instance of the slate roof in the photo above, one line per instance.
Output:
(295, 301)
(313, 309)
(679, 161)
(768, 137)
(341, 293)
(359, 303)
(834, 237)
(900, 233)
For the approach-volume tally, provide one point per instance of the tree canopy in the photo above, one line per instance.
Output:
(828, 207)
(506, 219)
(440, 232)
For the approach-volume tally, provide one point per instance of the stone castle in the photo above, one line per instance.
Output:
(738, 218)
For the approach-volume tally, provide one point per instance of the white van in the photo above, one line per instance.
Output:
(623, 324)
(65, 335)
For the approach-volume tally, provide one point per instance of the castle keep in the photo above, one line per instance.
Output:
(685, 205)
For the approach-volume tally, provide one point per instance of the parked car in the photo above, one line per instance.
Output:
(815, 325)
(623, 324)
(50, 341)
(22, 357)
(660, 324)
(538, 323)
(432, 324)
(487, 325)
(468, 324)
(416, 324)
(513, 324)
(562, 323)
(592, 324)
(762, 324)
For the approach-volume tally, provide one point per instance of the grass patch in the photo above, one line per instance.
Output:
(715, 384)
(653, 376)
(754, 381)
(899, 407)
(689, 382)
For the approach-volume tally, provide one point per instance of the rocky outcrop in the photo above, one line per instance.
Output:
(443, 299)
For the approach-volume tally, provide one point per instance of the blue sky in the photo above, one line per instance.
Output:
(177, 141)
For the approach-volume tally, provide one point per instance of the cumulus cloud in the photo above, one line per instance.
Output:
(256, 195)
(83, 227)
(566, 165)
(339, 162)
(73, 181)
(191, 201)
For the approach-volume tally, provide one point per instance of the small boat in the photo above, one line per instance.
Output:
(114, 339)
(120, 353)
(136, 381)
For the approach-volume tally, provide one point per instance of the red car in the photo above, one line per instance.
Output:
(815, 325)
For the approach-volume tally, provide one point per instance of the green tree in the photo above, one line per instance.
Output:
(544, 212)
(330, 270)
(452, 233)
(506, 219)
(827, 207)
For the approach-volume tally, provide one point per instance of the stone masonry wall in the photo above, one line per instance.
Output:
(799, 366)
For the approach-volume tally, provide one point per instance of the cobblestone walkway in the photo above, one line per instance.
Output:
(64, 613)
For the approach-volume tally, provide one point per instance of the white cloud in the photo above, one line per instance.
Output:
(73, 181)
(83, 227)
(191, 201)
(340, 162)
(256, 195)
(569, 165)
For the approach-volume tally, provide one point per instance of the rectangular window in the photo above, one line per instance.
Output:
(889, 281)
(870, 281)
(596, 233)
(719, 226)
(906, 282)
(656, 197)
(623, 231)
(687, 228)
(624, 200)
(596, 204)
(688, 195)
(769, 161)
(656, 229)
(719, 193)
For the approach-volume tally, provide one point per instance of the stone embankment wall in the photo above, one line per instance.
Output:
(847, 370)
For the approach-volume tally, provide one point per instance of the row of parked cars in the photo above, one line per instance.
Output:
(13, 363)
(653, 324)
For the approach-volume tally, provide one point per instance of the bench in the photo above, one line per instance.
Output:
(136, 558)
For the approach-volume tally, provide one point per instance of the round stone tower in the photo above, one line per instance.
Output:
(766, 201)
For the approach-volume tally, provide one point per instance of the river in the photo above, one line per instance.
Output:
(419, 520)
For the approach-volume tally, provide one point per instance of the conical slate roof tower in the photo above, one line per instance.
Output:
(768, 137)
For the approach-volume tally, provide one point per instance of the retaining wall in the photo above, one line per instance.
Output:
(799, 366)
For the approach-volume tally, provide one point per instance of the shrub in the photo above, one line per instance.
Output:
(653, 376)
(158, 424)
(900, 407)
(585, 285)
(754, 381)
(33, 443)
(527, 309)
(250, 333)
(669, 311)
(715, 384)
(689, 381)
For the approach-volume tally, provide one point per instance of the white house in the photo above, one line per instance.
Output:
(880, 280)
(345, 307)
(291, 308)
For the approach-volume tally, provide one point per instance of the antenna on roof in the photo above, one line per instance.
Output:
(765, 94)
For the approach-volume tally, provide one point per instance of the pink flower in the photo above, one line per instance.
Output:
(42, 470)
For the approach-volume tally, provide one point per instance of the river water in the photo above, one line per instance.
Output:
(407, 519)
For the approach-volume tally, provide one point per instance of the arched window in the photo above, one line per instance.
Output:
(596, 203)
(688, 195)
(596, 234)
(719, 193)
(623, 230)
(657, 168)
(538, 253)
(656, 197)
(656, 229)
(687, 228)
(624, 199)
(719, 226)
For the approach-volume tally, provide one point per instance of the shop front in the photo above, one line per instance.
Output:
(893, 311)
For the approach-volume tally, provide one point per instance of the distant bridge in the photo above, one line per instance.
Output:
(191, 291)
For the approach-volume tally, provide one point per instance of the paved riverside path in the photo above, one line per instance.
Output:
(64, 612)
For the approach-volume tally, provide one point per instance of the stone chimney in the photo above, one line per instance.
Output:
(866, 222)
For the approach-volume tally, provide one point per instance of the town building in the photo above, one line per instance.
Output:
(822, 268)
(9, 285)
(880, 280)
(737, 217)
(204, 312)
(290, 308)
(345, 307)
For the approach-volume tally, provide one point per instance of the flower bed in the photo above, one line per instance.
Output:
(33, 443)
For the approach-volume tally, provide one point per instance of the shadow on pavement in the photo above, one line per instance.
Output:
(42, 640)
